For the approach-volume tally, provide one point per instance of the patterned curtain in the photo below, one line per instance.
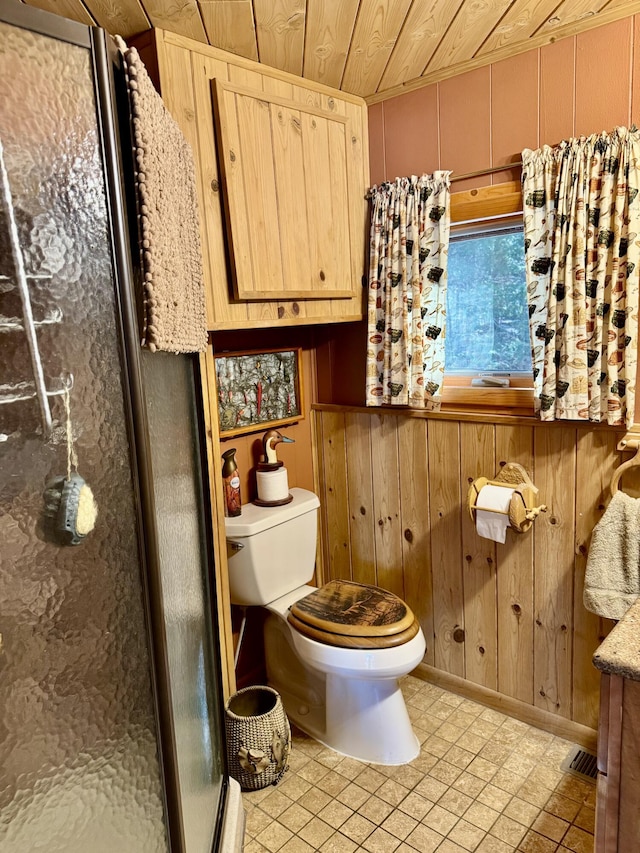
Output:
(407, 291)
(581, 223)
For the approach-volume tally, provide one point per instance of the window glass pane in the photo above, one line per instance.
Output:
(487, 316)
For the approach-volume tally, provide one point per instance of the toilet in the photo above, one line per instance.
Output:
(334, 654)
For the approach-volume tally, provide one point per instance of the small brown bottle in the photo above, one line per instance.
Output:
(231, 480)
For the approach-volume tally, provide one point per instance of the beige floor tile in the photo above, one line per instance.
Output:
(407, 775)
(294, 786)
(462, 719)
(353, 796)
(415, 805)
(399, 824)
(483, 769)
(472, 741)
(313, 771)
(274, 837)
(450, 732)
(392, 792)
(466, 835)
(370, 780)
(276, 803)
(375, 810)
(381, 841)
(534, 843)
(349, 768)
(335, 814)
(489, 844)
(445, 772)
(297, 845)
(295, 817)
(586, 819)
(315, 800)
(440, 820)
(459, 757)
(508, 830)
(521, 811)
(469, 784)
(508, 781)
(483, 783)
(494, 797)
(254, 847)
(333, 783)
(430, 788)
(562, 807)
(339, 843)
(357, 828)
(574, 788)
(496, 752)
(436, 746)
(257, 820)
(449, 846)
(579, 841)
(481, 816)
(424, 839)
(534, 793)
(316, 832)
(550, 826)
(455, 802)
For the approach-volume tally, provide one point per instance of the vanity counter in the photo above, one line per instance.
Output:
(619, 653)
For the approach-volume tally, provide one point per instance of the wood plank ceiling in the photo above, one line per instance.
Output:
(372, 48)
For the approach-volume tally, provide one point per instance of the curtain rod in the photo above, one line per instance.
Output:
(515, 165)
(491, 170)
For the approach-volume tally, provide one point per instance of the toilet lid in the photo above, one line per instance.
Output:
(344, 613)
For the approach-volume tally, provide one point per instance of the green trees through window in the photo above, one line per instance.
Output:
(487, 315)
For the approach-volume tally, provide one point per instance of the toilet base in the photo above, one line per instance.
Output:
(361, 718)
(368, 720)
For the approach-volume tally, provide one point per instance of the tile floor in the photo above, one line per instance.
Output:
(483, 782)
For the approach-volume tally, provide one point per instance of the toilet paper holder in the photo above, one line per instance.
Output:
(523, 507)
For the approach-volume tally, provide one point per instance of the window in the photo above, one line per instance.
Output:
(488, 351)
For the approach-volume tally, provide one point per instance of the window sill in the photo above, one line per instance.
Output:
(492, 401)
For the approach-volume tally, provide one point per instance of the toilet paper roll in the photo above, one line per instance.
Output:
(272, 485)
(493, 525)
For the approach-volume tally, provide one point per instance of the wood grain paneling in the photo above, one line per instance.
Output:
(445, 511)
(514, 111)
(416, 539)
(477, 456)
(526, 633)
(515, 583)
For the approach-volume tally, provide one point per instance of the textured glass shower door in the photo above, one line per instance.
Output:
(110, 703)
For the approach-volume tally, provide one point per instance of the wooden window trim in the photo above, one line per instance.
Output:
(457, 396)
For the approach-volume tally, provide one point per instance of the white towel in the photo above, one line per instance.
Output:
(612, 579)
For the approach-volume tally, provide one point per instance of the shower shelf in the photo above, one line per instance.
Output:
(37, 387)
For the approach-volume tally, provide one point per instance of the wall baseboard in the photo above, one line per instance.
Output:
(575, 732)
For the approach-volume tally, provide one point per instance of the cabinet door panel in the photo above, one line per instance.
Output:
(287, 195)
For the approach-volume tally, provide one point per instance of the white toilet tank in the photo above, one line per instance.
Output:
(272, 550)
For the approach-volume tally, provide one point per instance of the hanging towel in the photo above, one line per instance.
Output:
(174, 316)
(612, 579)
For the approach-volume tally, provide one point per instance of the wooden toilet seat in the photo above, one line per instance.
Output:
(354, 615)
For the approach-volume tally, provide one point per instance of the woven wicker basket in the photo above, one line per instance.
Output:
(258, 737)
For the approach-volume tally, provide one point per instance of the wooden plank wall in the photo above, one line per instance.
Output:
(393, 491)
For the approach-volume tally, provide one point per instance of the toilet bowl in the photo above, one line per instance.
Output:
(347, 697)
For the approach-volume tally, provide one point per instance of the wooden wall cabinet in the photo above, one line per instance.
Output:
(290, 162)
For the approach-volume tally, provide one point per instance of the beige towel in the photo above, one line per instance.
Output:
(612, 579)
(174, 306)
